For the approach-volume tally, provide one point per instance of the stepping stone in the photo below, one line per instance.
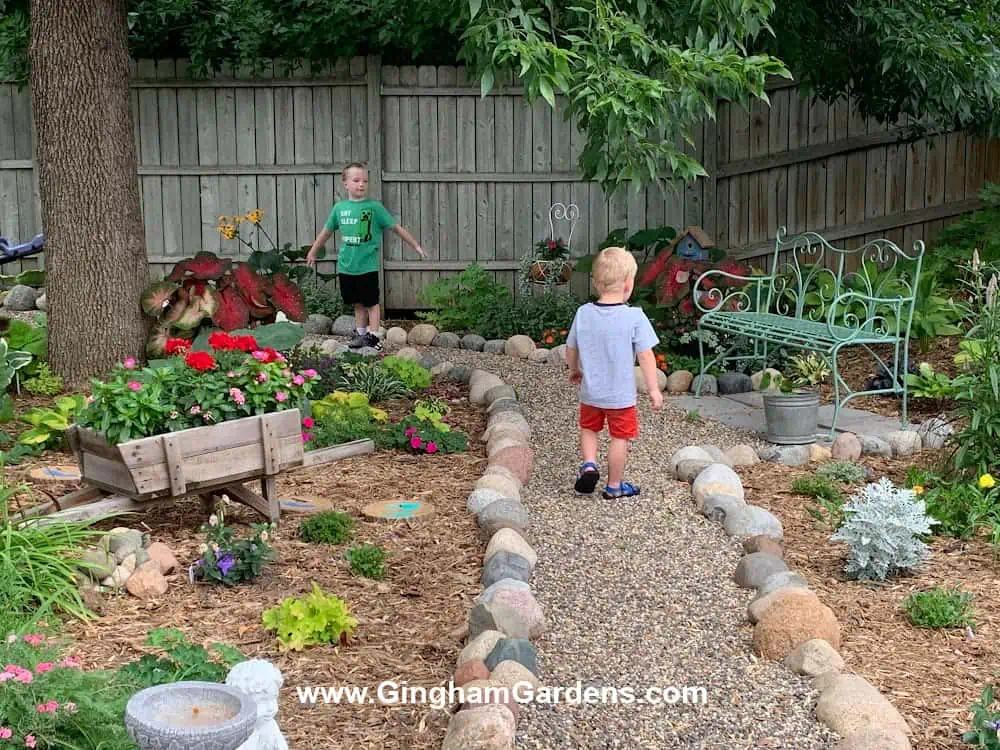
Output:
(62, 473)
(398, 509)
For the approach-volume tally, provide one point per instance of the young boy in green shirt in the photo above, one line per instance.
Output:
(361, 222)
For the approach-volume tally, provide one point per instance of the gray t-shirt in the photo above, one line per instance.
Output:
(608, 338)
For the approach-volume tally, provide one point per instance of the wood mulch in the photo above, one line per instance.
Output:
(411, 623)
(857, 365)
(931, 676)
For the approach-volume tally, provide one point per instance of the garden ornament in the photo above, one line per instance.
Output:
(262, 681)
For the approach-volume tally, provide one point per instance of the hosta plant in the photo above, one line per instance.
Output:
(210, 290)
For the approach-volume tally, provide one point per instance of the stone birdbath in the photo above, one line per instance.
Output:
(190, 716)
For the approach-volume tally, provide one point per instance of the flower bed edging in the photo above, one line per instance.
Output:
(790, 623)
(505, 618)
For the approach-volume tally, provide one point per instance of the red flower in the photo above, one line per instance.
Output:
(221, 342)
(175, 346)
(244, 343)
(552, 245)
(200, 361)
(687, 306)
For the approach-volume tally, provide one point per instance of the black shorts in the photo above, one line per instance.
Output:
(359, 290)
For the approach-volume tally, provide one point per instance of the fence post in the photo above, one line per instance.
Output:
(709, 155)
(374, 86)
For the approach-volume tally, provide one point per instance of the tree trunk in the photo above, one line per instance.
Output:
(95, 254)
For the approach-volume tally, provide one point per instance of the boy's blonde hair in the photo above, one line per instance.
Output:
(612, 268)
(353, 165)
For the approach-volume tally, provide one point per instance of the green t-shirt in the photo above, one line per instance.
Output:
(361, 224)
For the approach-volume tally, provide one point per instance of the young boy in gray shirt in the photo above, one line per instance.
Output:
(604, 341)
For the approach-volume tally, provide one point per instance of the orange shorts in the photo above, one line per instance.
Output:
(622, 423)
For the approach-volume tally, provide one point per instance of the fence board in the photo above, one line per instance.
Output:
(473, 178)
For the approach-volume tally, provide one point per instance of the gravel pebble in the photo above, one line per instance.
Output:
(639, 593)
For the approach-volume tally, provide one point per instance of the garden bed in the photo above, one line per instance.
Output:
(932, 676)
(857, 365)
(409, 623)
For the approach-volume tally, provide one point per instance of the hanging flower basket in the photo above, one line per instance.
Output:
(551, 271)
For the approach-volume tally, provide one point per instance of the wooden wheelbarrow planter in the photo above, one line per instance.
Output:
(203, 461)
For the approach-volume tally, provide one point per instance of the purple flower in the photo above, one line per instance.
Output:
(226, 563)
(994, 725)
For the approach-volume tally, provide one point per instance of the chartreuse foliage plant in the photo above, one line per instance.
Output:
(311, 620)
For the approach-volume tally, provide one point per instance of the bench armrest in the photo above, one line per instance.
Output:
(711, 296)
(874, 319)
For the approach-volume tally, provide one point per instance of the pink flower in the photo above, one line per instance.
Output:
(6, 733)
(280, 396)
(416, 442)
(431, 447)
(4, 676)
(196, 409)
(35, 639)
(129, 363)
(237, 396)
(134, 385)
(41, 708)
(71, 661)
(308, 422)
(29, 740)
(25, 677)
(410, 431)
(71, 707)
(298, 380)
(43, 667)
(280, 357)
(310, 373)
(306, 437)
(260, 356)
(52, 706)
(286, 373)
(261, 377)
(230, 374)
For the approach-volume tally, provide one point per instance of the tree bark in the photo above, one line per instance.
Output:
(95, 255)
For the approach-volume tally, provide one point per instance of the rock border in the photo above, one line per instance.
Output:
(791, 624)
(505, 617)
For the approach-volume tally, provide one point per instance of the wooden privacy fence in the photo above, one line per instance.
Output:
(473, 177)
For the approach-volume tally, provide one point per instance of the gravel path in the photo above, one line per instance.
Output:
(639, 593)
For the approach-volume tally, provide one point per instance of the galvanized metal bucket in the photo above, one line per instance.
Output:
(793, 418)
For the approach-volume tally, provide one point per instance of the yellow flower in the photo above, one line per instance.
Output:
(918, 489)
(254, 216)
(987, 482)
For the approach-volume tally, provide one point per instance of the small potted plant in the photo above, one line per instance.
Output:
(791, 404)
(549, 263)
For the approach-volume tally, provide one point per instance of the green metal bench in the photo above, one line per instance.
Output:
(813, 302)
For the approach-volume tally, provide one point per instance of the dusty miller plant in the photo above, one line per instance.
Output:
(883, 526)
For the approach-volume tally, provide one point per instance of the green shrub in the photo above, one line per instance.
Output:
(321, 300)
(343, 417)
(367, 560)
(961, 507)
(413, 374)
(327, 527)
(178, 659)
(843, 471)
(821, 488)
(940, 608)
(310, 620)
(530, 316)
(44, 383)
(465, 301)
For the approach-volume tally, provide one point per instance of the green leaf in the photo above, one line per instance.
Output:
(35, 436)
(547, 93)
(474, 7)
(486, 83)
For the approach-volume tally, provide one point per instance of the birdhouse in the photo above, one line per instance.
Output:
(692, 244)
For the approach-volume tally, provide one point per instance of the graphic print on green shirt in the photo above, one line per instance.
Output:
(361, 224)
